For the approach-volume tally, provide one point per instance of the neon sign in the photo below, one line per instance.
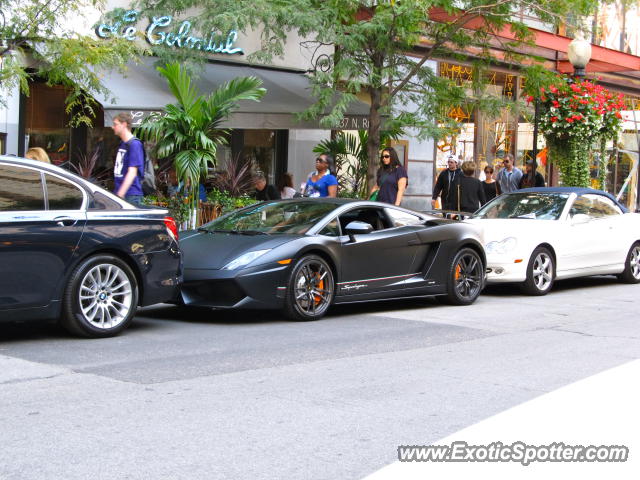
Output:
(179, 37)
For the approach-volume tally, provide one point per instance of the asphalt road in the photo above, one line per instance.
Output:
(196, 394)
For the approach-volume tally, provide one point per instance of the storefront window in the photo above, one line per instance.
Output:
(481, 137)
(47, 123)
(260, 149)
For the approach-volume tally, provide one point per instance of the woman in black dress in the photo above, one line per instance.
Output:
(391, 178)
(489, 185)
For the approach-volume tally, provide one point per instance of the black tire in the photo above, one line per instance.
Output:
(310, 289)
(541, 273)
(110, 297)
(465, 278)
(631, 273)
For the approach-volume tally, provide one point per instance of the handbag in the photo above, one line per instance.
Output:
(374, 196)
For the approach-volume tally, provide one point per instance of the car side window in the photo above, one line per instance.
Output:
(20, 189)
(331, 229)
(373, 216)
(604, 207)
(596, 206)
(402, 219)
(62, 195)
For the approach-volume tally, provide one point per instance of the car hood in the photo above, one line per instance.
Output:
(213, 251)
(497, 229)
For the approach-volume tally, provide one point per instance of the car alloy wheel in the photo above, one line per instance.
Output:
(466, 277)
(540, 272)
(631, 273)
(101, 297)
(311, 288)
(105, 296)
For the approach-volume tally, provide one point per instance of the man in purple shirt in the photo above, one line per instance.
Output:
(129, 161)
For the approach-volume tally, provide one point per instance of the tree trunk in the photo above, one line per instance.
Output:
(373, 142)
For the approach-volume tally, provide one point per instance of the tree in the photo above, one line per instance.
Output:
(190, 130)
(39, 39)
(381, 48)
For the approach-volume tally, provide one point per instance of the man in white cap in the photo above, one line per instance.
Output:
(446, 184)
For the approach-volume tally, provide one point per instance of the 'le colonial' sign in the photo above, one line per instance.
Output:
(156, 34)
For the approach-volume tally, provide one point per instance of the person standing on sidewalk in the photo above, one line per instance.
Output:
(447, 185)
(509, 177)
(129, 161)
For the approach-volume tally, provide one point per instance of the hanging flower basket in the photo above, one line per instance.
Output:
(577, 117)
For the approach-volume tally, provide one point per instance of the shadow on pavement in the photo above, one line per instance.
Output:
(512, 289)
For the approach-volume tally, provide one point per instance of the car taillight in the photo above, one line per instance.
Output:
(172, 228)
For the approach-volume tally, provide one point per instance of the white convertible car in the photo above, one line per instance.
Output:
(538, 235)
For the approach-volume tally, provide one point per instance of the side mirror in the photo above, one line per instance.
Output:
(357, 228)
(580, 218)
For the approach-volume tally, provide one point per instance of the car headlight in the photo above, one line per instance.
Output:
(507, 245)
(245, 259)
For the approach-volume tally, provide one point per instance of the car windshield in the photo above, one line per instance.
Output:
(272, 218)
(536, 206)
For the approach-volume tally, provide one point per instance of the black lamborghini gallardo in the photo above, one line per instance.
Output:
(303, 255)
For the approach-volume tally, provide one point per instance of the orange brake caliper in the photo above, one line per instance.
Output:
(320, 286)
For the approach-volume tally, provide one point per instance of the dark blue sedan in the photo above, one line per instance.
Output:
(72, 251)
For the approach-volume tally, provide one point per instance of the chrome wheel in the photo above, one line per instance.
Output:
(542, 272)
(468, 276)
(634, 262)
(106, 296)
(631, 273)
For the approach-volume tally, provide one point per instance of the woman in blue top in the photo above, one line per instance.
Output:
(322, 183)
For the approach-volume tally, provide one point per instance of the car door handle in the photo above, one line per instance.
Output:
(414, 242)
(64, 221)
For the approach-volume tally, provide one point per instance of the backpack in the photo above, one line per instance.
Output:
(147, 175)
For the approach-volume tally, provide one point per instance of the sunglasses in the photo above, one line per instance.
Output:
(321, 160)
(386, 155)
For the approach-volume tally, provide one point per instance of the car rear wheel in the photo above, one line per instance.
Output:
(466, 278)
(540, 273)
(101, 297)
(631, 273)
(310, 290)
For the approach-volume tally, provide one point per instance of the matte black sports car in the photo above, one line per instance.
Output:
(302, 255)
(73, 251)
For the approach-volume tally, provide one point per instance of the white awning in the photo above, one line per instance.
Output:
(143, 91)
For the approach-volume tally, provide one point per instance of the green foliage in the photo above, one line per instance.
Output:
(38, 40)
(190, 130)
(178, 206)
(229, 202)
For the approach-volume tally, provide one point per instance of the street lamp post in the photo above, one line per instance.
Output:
(579, 52)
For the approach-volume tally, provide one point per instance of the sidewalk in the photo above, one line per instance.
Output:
(600, 410)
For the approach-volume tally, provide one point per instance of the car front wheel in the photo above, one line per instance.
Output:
(466, 278)
(631, 273)
(540, 272)
(310, 290)
(101, 297)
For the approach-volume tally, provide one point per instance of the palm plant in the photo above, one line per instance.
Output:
(190, 130)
